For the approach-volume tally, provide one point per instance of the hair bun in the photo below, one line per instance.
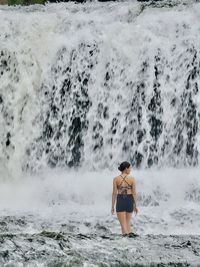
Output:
(124, 165)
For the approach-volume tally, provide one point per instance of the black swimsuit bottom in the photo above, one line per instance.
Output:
(124, 203)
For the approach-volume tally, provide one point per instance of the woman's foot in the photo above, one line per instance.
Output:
(132, 235)
(125, 235)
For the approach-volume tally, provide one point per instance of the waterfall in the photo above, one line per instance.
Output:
(94, 84)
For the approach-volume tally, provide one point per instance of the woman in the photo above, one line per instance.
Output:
(125, 193)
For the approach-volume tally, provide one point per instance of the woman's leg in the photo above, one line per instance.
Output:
(122, 219)
(128, 221)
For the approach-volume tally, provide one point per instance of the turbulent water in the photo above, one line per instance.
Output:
(83, 87)
(63, 219)
(88, 85)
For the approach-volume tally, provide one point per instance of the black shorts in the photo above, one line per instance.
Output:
(124, 203)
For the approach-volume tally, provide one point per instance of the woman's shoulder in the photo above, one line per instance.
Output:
(132, 178)
(116, 178)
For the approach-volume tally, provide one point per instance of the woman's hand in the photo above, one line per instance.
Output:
(135, 210)
(112, 210)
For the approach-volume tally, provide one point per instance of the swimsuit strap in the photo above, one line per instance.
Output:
(124, 181)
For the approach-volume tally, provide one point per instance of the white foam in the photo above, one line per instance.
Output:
(60, 196)
(125, 37)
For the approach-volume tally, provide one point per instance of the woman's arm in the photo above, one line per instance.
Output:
(114, 194)
(134, 196)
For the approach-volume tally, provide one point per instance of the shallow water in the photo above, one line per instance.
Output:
(64, 218)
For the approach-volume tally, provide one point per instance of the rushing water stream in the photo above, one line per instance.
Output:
(82, 88)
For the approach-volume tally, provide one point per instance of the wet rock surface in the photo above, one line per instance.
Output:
(57, 248)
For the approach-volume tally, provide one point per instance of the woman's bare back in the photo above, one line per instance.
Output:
(128, 183)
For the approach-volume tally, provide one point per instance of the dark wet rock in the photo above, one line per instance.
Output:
(4, 254)
(102, 228)
(57, 236)
(102, 250)
(82, 236)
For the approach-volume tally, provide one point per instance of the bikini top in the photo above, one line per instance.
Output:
(124, 188)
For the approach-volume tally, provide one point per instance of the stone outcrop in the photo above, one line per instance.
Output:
(3, 2)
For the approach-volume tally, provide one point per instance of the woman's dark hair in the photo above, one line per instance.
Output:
(123, 166)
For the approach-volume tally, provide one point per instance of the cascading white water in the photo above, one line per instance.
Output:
(92, 84)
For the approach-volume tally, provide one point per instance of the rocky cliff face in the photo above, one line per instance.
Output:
(3, 2)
